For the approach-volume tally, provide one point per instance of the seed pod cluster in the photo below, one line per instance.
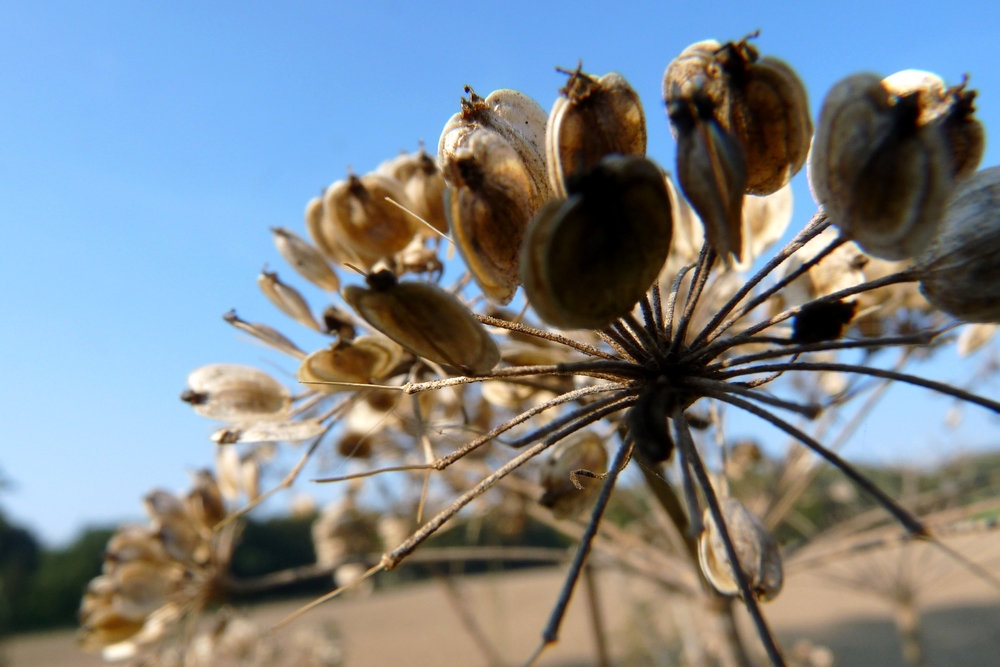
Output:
(492, 156)
(887, 154)
(589, 259)
(568, 494)
(594, 117)
(742, 126)
(756, 549)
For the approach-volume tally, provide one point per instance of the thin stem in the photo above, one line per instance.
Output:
(701, 274)
(809, 411)
(627, 341)
(596, 619)
(647, 339)
(749, 599)
(575, 368)
(613, 344)
(657, 307)
(939, 387)
(684, 455)
(545, 335)
(558, 423)
(675, 287)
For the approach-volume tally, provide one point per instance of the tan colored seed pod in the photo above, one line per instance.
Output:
(764, 221)
(424, 186)
(234, 393)
(973, 337)
(204, 500)
(882, 178)
(362, 360)
(959, 272)
(583, 450)
(287, 299)
(593, 117)
(363, 222)
(265, 334)
(269, 431)
(305, 259)
(761, 101)
(755, 546)
(426, 320)
(589, 259)
(321, 231)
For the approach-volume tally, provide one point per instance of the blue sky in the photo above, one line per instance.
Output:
(145, 149)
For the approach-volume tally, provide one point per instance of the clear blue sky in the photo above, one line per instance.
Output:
(145, 148)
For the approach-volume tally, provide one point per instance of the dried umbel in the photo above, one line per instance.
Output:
(587, 260)
(423, 183)
(287, 299)
(755, 547)
(426, 320)
(234, 393)
(358, 218)
(491, 156)
(593, 118)
(362, 360)
(882, 177)
(960, 272)
(305, 259)
(568, 492)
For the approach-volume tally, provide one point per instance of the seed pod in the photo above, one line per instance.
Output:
(287, 299)
(305, 259)
(566, 493)
(881, 177)
(338, 321)
(594, 117)
(266, 334)
(755, 546)
(647, 423)
(426, 320)
(363, 360)
(269, 431)
(234, 393)
(959, 272)
(761, 101)
(321, 231)
(973, 337)
(423, 183)
(589, 259)
(204, 501)
(764, 221)
(363, 222)
(491, 155)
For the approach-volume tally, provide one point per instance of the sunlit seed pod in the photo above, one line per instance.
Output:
(305, 259)
(688, 234)
(756, 549)
(265, 334)
(417, 257)
(973, 337)
(269, 431)
(594, 117)
(424, 186)
(175, 527)
(960, 272)
(362, 360)
(105, 627)
(426, 320)
(764, 222)
(142, 588)
(134, 543)
(839, 270)
(882, 178)
(250, 469)
(588, 260)
(322, 232)
(287, 299)
(363, 222)
(228, 473)
(584, 450)
(234, 393)
(204, 501)
(488, 209)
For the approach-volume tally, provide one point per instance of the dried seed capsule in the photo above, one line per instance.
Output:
(765, 220)
(287, 299)
(265, 334)
(566, 493)
(959, 272)
(594, 117)
(973, 337)
(881, 177)
(338, 321)
(321, 231)
(363, 222)
(755, 546)
(423, 183)
(204, 500)
(426, 320)
(362, 360)
(589, 259)
(234, 393)
(647, 423)
(305, 259)
(269, 431)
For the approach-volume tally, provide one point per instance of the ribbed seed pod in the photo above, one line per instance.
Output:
(588, 260)
(305, 259)
(423, 183)
(594, 117)
(321, 231)
(881, 177)
(491, 155)
(755, 547)
(362, 360)
(234, 393)
(286, 299)
(581, 451)
(426, 320)
(266, 334)
(960, 272)
(363, 222)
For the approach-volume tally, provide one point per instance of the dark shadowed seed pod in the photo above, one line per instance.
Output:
(362, 360)
(286, 299)
(589, 259)
(361, 220)
(566, 493)
(338, 321)
(423, 183)
(960, 272)
(426, 320)
(647, 423)
(305, 259)
(881, 177)
(755, 546)
(594, 117)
